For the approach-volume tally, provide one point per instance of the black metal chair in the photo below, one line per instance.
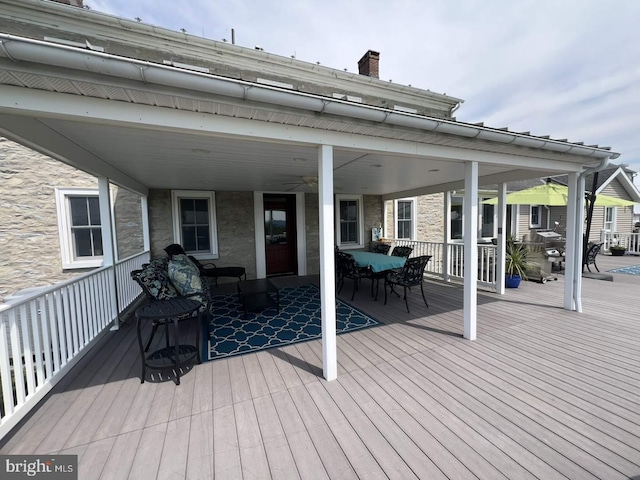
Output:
(411, 275)
(348, 268)
(209, 269)
(590, 256)
(402, 251)
(382, 248)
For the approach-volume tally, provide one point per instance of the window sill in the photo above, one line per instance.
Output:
(82, 264)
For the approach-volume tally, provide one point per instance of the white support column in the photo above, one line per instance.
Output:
(570, 253)
(327, 262)
(146, 233)
(579, 243)
(446, 263)
(108, 247)
(502, 237)
(470, 249)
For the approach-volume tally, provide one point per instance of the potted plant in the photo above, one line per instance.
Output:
(617, 250)
(516, 264)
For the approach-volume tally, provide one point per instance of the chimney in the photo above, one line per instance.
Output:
(368, 64)
(73, 3)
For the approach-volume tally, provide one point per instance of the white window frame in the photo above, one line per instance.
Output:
(63, 210)
(531, 222)
(360, 243)
(414, 223)
(176, 196)
(614, 217)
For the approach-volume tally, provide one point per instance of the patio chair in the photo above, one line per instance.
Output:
(411, 275)
(382, 248)
(347, 268)
(209, 269)
(402, 251)
(590, 256)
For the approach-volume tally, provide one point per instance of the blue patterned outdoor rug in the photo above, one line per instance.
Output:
(230, 333)
(635, 270)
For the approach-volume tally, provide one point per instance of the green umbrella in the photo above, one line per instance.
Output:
(554, 195)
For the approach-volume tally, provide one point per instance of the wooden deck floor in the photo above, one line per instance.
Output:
(542, 393)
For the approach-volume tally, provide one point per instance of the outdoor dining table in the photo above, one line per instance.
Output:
(378, 263)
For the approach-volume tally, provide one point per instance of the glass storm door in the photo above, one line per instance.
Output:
(280, 234)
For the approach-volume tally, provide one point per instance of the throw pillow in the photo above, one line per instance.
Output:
(185, 277)
(156, 283)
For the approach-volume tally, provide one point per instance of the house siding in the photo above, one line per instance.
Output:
(234, 225)
(236, 231)
(30, 254)
(624, 215)
(430, 218)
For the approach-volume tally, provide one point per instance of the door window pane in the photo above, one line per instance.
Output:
(275, 226)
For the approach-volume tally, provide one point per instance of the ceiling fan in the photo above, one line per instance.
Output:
(305, 181)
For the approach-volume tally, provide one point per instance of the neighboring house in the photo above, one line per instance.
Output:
(50, 226)
(422, 218)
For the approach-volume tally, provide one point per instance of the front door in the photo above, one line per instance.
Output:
(280, 234)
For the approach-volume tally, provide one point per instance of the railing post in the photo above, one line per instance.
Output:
(446, 263)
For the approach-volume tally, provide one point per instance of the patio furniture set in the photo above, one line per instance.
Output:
(178, 289)
(397, 270)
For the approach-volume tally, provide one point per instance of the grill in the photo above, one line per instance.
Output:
(548, 253)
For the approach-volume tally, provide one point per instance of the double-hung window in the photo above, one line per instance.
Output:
(534, 216)
(194, 222)
(349, 221)
(610, 218)
(79, 228)
(405, 219)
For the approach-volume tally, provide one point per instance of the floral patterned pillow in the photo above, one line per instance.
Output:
(155, 282)
(185, 277)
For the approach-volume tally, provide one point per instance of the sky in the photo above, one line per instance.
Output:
(565, 68)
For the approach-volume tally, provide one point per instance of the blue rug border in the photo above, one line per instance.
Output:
(205, 329)
(621, 270)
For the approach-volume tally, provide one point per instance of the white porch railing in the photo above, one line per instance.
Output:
(629, 240)
(127, 289)
(454, 269)
(47, 332)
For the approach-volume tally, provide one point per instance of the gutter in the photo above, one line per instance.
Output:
(18, 49)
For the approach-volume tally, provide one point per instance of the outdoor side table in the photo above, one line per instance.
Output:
(169, 311)
(257, 294)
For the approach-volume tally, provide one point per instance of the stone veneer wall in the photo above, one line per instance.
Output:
(127, 212)
(236, 231)
(431, 218)
(372, 206)
(160, 223)
(235, 228)
(30, 254)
